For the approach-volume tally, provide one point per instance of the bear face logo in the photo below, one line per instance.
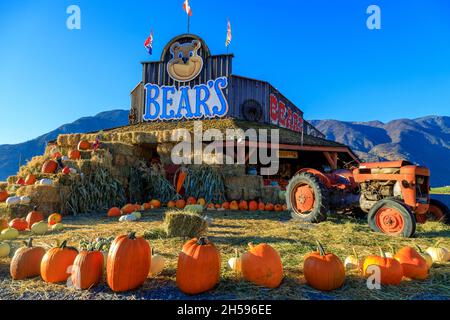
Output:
(185, 64)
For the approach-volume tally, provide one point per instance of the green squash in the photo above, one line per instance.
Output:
(57, 227)
(5, 249)
(9, 234)
(39, 227)
(196, 208)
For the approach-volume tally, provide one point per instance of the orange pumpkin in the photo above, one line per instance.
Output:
(84, 145)
(128, 208)
(171, 204)
(391, 271)
(234, 205)
(285, 207)
(201, 202)
(20, 181)
(226, 205)
(56, 155)
(253, 206)
(413, 264)
(323, 271)
(269, 207)
(217, 206)
(33, 217)
(147, 206)
(56, 262)
(26, 262)
(191, 200)
(243, 205)
(261, 206)
(4, 225)
(128, 251)
(49, 166)
(19, 224)
(74, 154)
(54, 218)
(211, 206)
(262, 266)
(278, 208)
(198, 266)
(30, 180)
(180, 204)
(156, 204)
(87, 269)
(114, 212)
(3, 195)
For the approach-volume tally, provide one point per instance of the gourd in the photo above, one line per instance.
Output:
(25, 200)
(57, 227)
(194, 208)
(323, 271)
(125, 251)
(46, 182)
(26, 262)
(13, 200)
(201, 202)
(157, 265)
(198, 266)
(9, 234)
(5, 249)
(438, 254)
(39, 227)
(352, 262)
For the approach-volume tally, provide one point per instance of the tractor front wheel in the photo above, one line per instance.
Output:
(307, 198)
(393, 218)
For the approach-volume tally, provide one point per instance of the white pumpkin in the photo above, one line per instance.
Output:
(128, 218)
(5, 249)
(157, 265)
(73, 170)
(351, 263)
(46, 182)
(57, 227)
(13, 200)
(235, 264)
(39, 227)
(438, 254)
(9, 234)
(25, 200)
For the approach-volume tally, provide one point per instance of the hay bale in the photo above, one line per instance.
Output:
(14, 211)
(40, 193)
(184, 224)
(244, 187)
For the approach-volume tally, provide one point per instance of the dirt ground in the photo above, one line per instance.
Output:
(232, 230)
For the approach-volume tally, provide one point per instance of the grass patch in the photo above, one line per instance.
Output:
(234, 230)
(441, 190)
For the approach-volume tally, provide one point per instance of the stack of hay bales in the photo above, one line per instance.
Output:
(244, 187)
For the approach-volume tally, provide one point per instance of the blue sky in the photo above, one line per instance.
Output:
(319, 53)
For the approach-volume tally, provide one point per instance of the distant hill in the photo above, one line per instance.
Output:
(10, 154)
(424, 140)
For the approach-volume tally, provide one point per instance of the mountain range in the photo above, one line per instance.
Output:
(424, 140)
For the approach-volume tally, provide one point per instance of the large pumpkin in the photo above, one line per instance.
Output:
(84, 145)
(198, 266)
(87, 270)
(262, 266)
(54, 218)
(26, 262)
(323, 271)
(33, 217)
(413, 264)
(391, 271)
(128, 262)
(30, 180)
(49, 166)
(19, 224)
(3, 195)
(114, 212)
(74, 154)
(56, 263)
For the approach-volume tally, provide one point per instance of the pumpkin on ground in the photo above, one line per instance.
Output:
(191, 200)
(391, 271)
(3, 195)
(87, 270)
(128, 263)
(243, 205)
(56, 262)
(234, 205)
(198, 266)
(84, 145)
(128, 208)
(269, 207)
(5, 249)
(253, 206)
(74, 155)
(171, 204)
(278, 208)
(323, 271)
(49, 166)
(147, 206)
(114, 212)
(157, 265)
(57, 227)
(54, 218)
(30, 180)
(26, 262)
(413, 264)
(4, 224)
(180, 204)
(155, 204)
(201, 202)
(9, 234)
(352, 262)
(40, 227)
(226, 205)
(261, 206)
(33, 217)
(262, 266)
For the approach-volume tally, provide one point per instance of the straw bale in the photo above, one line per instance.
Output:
(184, 224)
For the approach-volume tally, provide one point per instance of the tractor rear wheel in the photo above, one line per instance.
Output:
(307, 198)
(438, 212)
(393, 218)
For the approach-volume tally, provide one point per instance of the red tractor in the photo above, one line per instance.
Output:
(394, 194)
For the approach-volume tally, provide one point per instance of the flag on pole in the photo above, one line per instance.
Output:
(148, 44)
(187, 8)
(229, 36)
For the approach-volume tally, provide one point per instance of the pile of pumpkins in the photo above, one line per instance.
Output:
(34, 221)
(132, 212)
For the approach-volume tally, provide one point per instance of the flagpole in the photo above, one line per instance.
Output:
(188, 23)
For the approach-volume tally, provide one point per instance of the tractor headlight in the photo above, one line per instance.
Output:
(397, 190)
